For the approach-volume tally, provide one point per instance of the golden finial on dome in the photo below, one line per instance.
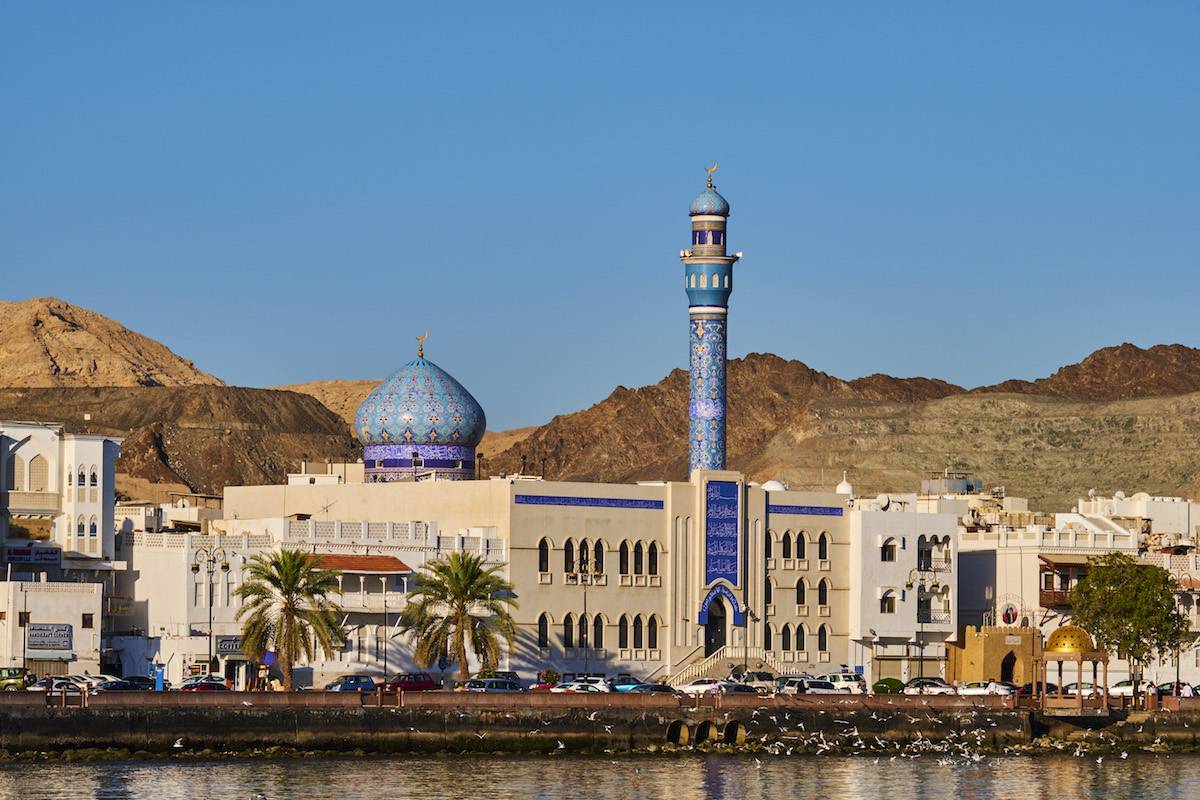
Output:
(710, 171)
(421, 344)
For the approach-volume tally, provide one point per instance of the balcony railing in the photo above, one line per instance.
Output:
(1049, 598)
(930, 617)
(34, 503)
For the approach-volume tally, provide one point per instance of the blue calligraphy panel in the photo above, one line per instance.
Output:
(721, 532)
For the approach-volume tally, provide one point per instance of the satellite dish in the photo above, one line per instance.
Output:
(884, 501)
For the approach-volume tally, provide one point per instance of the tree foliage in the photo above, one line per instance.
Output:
(458, 607)
(1129, 608)
(287, 607)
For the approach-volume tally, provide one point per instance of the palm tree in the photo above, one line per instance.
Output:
(287, 606)
(456, 604)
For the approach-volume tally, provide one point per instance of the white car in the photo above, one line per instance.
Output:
(985, 689)
(1072, 689)
(579, 686)
(809, 686)
(57, 685)
(702, 686)
(929, 686)
(848, 682)
(1125, 689)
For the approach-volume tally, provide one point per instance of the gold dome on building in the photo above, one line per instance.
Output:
(1070, 639)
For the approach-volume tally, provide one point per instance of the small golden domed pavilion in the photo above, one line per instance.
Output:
(1073, 644)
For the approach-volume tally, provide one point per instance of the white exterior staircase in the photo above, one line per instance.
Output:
(717, 665)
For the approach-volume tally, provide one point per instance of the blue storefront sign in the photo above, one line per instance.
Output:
(721, 532)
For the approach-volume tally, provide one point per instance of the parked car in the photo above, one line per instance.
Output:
(202, 679)
(493, 685)
(763, 682)
(412, 682)
(1125, 688)
(623, 683)
(782, 680)
(1168, 689)
(579, 686)
(506, 674)
(809, 686)
(702, 686)
(204, 686)
(14, 679)
(653, 688)
(144, 683)
(351, 683)
(118, 686)
(933, 686)
(849, 682)
(985, 688)
(55, 685)
(598, 681)
(733, 687)
(1073, 688)
(1029, 689)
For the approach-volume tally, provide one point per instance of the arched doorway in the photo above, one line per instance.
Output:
(714, 628)
(1008, 666)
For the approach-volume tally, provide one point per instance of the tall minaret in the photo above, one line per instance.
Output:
(708, 278)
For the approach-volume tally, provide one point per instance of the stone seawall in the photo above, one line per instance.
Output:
(531, 723)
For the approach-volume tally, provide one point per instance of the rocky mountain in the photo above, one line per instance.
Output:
(340, 397)
(48, 342)
(202, 437)
(1119, 373)
(1049, 439)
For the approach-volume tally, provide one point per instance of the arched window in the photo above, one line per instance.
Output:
(92, 479)
(801, 544)
(785, 638)
(652, 633)
(15, 480)
(39, 474)
(583, 631)
(623, 631)
(92, 527)
(801, 592)
(787, 544)
(887, 551)
(585, 555)
(767, 636)
(82, 478)
(801, 638)
(568, 556)
(823, 592)
(767, 545)
(543, 556)
(823, 547)
(726, 281)
(637, 558)
(597, 632)
(887, 603)
(543, 630)
(79, 527)
(623, 558)
(767, 593)
(637, 632)
(568, 632)
(652, 559)
(823, 639)
(703, 280)
(70, 476)
(598, 559)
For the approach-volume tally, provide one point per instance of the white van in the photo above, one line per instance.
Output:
(847, 682)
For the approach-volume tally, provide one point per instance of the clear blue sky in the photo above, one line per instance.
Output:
(290, 191)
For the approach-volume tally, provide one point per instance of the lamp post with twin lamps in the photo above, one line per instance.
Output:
(210, 560)
(917, 577)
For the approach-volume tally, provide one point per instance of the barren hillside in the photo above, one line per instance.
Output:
(47, 342)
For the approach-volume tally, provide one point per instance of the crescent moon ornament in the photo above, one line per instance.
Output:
(421, 344)
(710, 171)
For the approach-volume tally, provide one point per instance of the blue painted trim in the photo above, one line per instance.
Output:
(812, 511)
(590, 502)
(721, 590)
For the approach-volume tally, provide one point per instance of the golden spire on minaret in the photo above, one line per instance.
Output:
(421, 344)
(710, 171)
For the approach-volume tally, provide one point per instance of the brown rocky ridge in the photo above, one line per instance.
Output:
(48, 342)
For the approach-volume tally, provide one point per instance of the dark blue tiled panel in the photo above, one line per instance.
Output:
(592, 502)
(812, 511)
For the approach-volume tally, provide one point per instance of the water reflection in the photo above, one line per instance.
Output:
(582, 777)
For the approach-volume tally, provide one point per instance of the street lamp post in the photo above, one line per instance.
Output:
(585, 572)
(749, 616)
(210, 560)
(386, 635)
(916, 578)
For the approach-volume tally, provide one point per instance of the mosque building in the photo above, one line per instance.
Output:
(665, 580)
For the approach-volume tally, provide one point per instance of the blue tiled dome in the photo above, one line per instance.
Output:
(420, 404)
(710, 202)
